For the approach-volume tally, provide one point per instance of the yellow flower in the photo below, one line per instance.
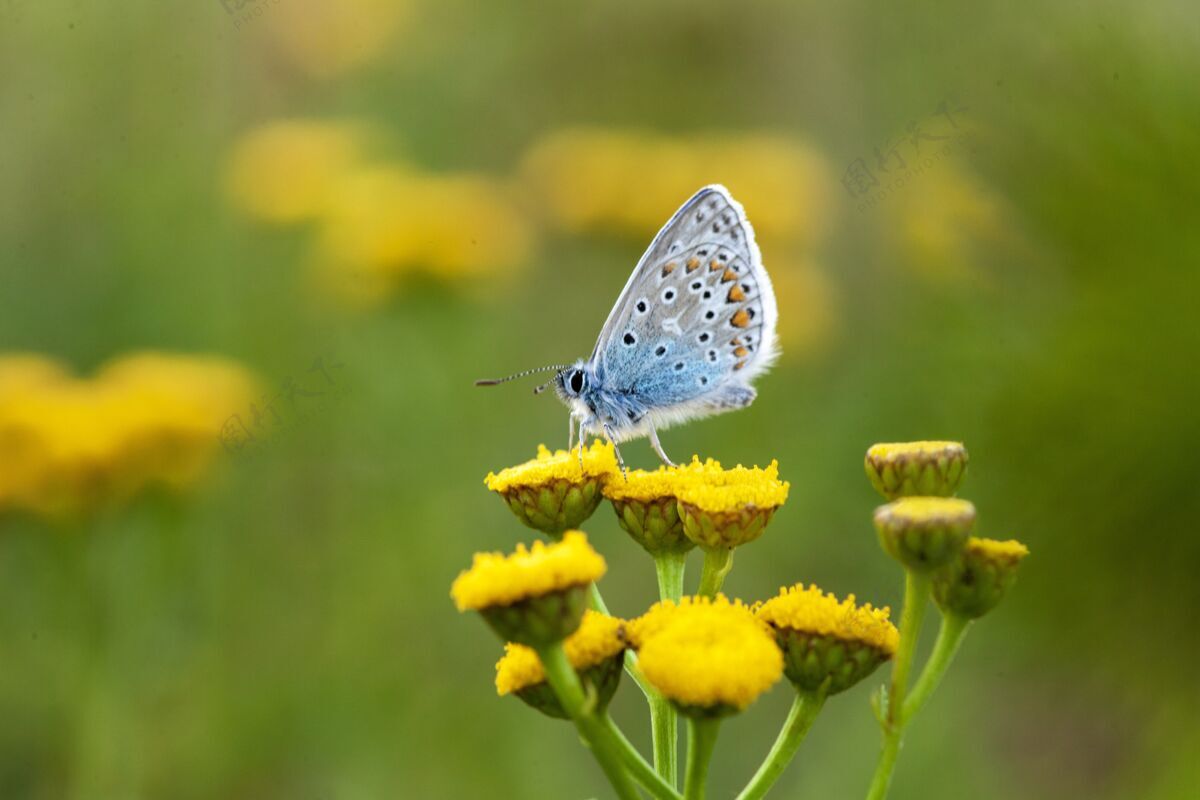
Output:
(582, 177)
(916, 468)
(723, 508)
(551, 493)
(709, 657)
(977, 581)
(387, 221)
(945, 221)
(326, 40)
(648, 511)
(595, 651)
(924, 533)
(808, 303)
(826, 640)
(68, 446)
(24, 371)
(285, 171)
(535, 596)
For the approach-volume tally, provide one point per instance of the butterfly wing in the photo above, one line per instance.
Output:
(696, 320)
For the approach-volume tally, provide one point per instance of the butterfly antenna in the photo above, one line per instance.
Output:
(496, 381)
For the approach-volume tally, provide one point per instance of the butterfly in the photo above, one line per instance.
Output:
(691, 330)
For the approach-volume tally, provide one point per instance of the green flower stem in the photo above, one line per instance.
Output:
(596, 601)
(669, 567)
(664, 723)
(804, 711)
(702, 737)
(950, 636)
(916, 600)
(562, 678)
(717, 563)
(637, 766)
(652, 695)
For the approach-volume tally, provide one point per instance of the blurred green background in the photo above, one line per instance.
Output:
(430, 192)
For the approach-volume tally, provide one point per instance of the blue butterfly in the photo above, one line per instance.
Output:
(694, 326)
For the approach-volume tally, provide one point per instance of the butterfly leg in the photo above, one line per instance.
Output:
(657, 445)
(570, 432)
(608, 433)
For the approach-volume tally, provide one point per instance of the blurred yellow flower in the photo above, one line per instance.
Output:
(69, 445)
(629, 182)
(327, 39)
(943, 221)
(495, 579)
(596, 640)
(385, 221)
(285, 171)
(709, 657)
(808, 317)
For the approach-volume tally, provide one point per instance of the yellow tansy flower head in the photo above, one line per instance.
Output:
(978, 579)
(916, 468)
(709, 657)
(596, 652)
(924, 533)
(535, 596)
(727, 507)
(553, 493)
(827, 640)
(71, 446)
(648, 511)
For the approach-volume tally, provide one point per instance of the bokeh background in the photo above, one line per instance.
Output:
(253, 253)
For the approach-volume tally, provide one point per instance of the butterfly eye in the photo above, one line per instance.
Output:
(577, 381)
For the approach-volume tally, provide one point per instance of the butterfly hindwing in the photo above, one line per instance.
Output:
(697, 318)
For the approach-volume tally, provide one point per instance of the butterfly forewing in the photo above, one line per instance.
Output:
(697, 317)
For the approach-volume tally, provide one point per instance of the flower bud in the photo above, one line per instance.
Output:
(975, 582)
(648, 511)
(533, 597)
(907, 469)
(827, 643)
(596, 651)
(924, 533)
(552, 493)
(725, 508)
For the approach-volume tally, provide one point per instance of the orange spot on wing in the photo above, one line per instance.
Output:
(739, 365)
(735, 341)
(741, 319)
(736, 295)
(741, 351)
(693, 264)
(669, 268)
(714, 265)
(729, 275)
